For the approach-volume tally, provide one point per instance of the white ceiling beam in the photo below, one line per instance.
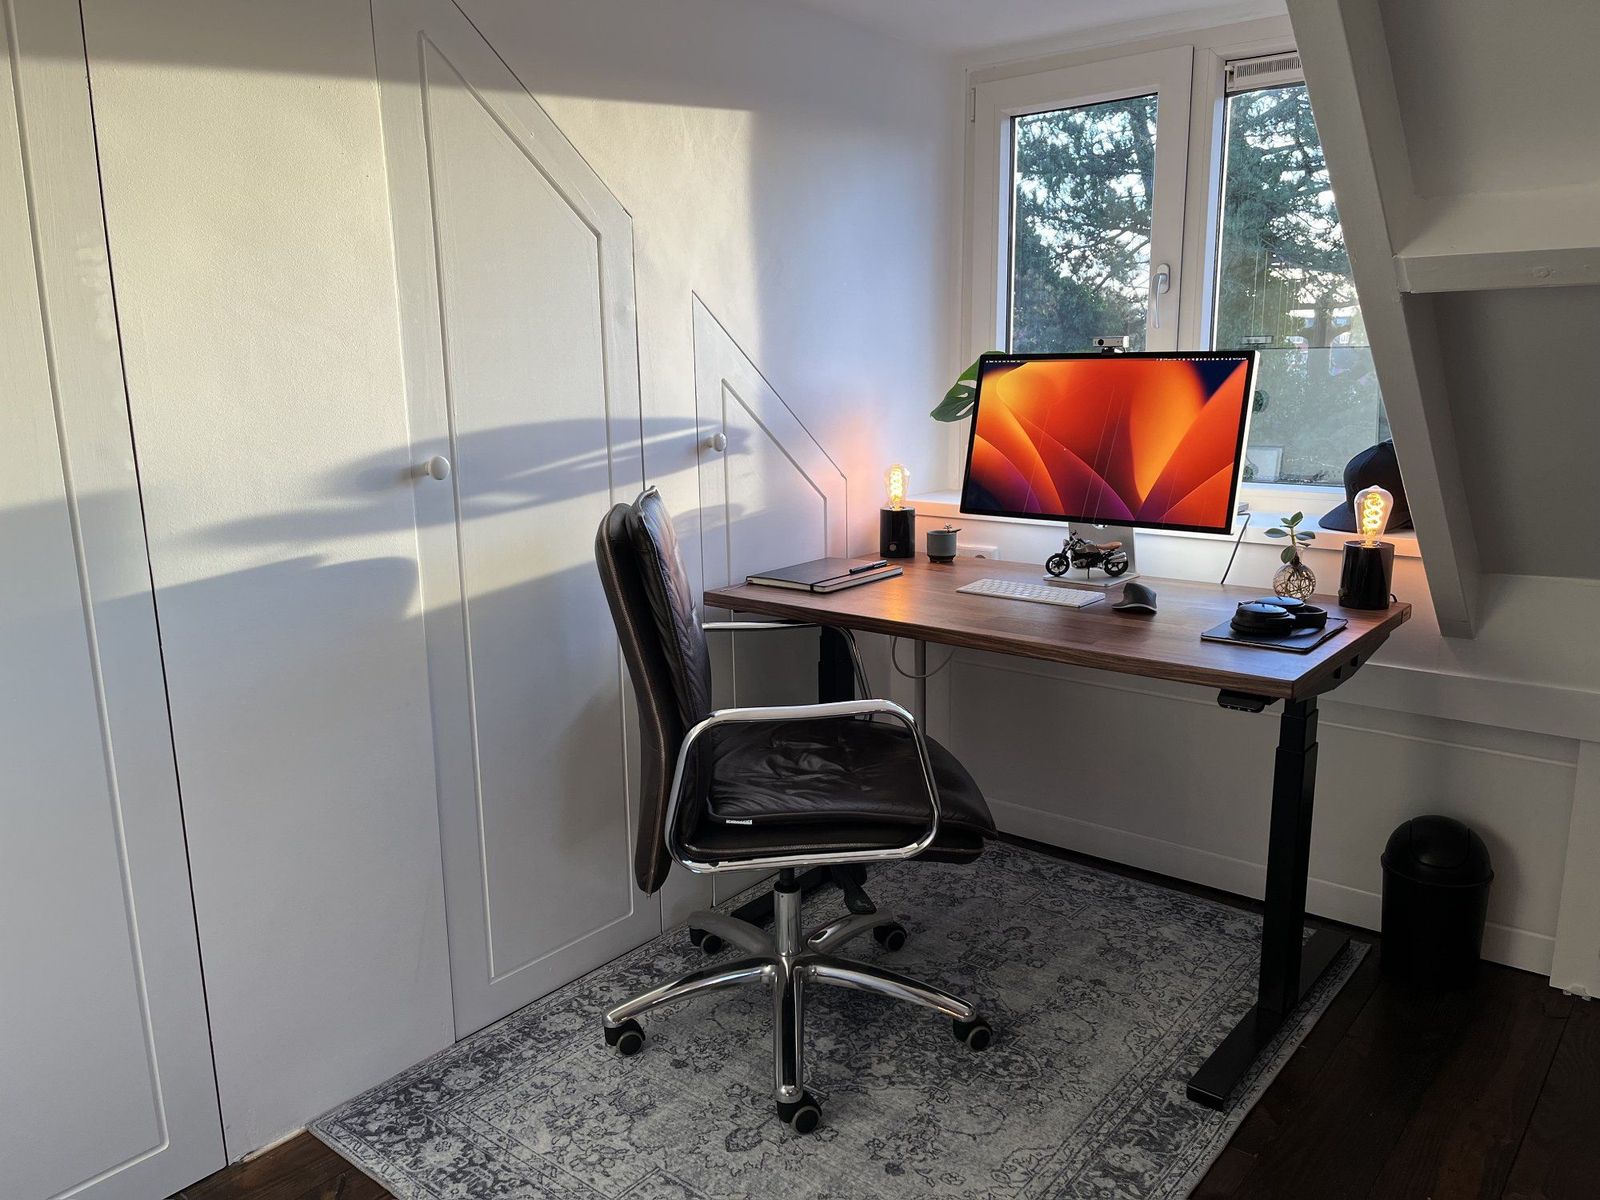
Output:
(1545, 237)
(1346, 59)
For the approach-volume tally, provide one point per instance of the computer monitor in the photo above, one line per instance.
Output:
(1149, 441)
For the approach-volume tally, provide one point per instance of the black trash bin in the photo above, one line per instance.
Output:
(1436, 876)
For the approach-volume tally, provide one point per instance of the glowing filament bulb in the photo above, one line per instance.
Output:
(896, 483)
(1373, 506)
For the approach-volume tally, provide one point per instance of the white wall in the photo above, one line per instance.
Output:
(796, 173)
(793, 171)
(249, 231)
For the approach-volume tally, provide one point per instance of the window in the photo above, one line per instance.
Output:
(1080, 224)
(1100, 209)
(1079, 190)
(1283, 286)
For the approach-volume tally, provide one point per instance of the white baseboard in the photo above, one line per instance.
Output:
(1520, 948)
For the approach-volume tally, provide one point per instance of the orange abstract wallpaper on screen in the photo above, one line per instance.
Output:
(1112, 439)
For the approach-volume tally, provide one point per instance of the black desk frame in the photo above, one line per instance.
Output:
(1291, 964)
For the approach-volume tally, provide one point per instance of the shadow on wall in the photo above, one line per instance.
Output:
(496, 471)
(818, 222)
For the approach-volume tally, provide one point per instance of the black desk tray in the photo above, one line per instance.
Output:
(1298, 642)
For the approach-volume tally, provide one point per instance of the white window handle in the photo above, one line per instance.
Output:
(1160, 285)
(717, 442)
(438, 467)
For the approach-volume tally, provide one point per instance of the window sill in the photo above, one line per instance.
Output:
(1263, 500)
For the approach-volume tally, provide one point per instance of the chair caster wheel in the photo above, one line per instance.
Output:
(975, 1033)
(626, 1039)
(804, 1115)
(709, 942)
(891, 937)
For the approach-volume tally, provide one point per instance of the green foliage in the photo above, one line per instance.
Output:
(1082, 256)
(1283, 274)
(1282, 252)
(1297, 537)
(963, 394)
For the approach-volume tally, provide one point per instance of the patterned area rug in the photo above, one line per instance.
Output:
(1105, 994)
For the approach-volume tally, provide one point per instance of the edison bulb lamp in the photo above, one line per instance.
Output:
(1369, 563)
(896, 483)
(897, 524)
(1373, 506)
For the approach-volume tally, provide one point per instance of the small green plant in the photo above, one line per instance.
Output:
(1294, 578)
(958, 401)
(1290, 528)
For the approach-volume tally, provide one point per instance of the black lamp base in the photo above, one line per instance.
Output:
(1368, 574)
(897, 533)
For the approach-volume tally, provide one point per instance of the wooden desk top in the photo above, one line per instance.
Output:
(923, 603)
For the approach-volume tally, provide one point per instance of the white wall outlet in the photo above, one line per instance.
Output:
(975, 550)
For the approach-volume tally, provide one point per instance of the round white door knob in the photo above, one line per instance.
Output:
(438, 467)
(718, 442)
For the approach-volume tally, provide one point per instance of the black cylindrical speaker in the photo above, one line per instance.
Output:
(897, 532)
(1367, 575)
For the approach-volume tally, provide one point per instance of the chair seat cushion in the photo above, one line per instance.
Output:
(843, 783)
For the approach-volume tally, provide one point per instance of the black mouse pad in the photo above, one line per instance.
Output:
(1297, 642)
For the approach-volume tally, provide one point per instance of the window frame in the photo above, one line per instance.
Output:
(1117, 70)
(1163, 73)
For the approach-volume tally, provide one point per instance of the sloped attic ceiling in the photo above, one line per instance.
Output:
(1462, 141)
(1522, 368)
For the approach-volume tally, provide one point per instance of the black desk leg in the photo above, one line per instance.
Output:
(1290, 966)
(836, 675)
(836, 680)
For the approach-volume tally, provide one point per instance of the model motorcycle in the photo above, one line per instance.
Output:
(1078, 551)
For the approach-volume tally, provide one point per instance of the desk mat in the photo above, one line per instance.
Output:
(1298, 642)
(1105, 993)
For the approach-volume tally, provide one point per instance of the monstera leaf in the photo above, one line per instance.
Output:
(958, 401)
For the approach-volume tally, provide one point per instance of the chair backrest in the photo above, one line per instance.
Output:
(658, 623)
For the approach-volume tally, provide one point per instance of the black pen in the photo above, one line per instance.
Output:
(873, 566)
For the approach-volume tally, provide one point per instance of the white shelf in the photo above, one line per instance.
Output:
(1485, 241)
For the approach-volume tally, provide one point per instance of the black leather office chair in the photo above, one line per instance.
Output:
(781, 788)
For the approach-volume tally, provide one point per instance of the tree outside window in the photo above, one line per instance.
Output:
(1284, 287)
(1081, 246)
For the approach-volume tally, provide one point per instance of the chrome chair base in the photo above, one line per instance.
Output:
(785, 962)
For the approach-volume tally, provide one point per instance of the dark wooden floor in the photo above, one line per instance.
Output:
(1493, 1091)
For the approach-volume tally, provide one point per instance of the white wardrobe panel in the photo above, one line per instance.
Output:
(241, 151)
(769, 495)
(108, 1087)
(517, 288)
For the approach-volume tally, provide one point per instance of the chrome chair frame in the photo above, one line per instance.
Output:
(788, 959)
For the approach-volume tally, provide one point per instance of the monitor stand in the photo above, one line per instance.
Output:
(1094, 577)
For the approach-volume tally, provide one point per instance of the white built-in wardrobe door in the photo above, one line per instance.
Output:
(106, 1087)
(769, 495)
(517, 284)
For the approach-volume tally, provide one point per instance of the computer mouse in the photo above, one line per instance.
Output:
(1137, 600)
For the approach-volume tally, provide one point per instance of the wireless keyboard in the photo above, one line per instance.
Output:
(1033, 593)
